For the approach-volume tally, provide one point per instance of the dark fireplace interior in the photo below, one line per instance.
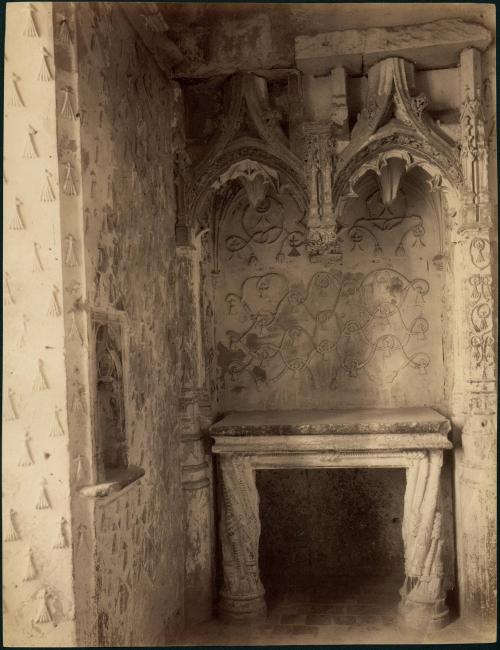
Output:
(330, 526)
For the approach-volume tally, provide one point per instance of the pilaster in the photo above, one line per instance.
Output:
(473, 285)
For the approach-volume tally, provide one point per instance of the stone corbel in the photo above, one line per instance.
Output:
(319, 163)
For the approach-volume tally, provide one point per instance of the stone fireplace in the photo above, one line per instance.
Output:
(256, 240)
(410, 438)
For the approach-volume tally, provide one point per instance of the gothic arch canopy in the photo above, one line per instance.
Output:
(376, 155)
(394, 125)
(250, 130)
(207, 183)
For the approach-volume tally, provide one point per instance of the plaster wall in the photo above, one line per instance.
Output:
(295, 334)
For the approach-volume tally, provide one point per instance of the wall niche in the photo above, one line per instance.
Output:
(110, 363)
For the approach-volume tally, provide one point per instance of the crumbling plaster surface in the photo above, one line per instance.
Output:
(38, 599)
(129, 214)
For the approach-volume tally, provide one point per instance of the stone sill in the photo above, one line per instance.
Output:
(118, 479)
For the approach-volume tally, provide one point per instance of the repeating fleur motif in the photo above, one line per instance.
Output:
(31, 572)
(56, 429)
(16, 221)
(43, 502)
(9, 410)
(74, 333)
(8, 298)
(67, 107)
(61, 541)
(15, 99)
(29, 148)
(26, 459)
(44, 615)
(44, 73)
(40, 382)
(11, 533)
(69, 186)
(47, 195)
(37, 264)
(54, 309)
(30, 29)
(63, 32)
(70, 259)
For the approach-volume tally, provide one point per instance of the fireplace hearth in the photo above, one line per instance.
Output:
(413, 439)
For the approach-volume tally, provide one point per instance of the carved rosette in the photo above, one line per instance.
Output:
(242, 593)
(422, 605)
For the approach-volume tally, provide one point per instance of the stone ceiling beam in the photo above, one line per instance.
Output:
(429, 45)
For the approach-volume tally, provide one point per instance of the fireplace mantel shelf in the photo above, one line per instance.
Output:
(360, 429)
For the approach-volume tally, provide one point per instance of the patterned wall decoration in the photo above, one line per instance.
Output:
(292, 334)
(38, 588)
(125, 106)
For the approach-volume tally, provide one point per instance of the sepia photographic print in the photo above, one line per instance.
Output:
(250, 324)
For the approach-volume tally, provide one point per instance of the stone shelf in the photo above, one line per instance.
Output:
(384, 420)
(347, 430)
(118, 480)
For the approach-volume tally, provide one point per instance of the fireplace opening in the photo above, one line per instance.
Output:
(331, 532)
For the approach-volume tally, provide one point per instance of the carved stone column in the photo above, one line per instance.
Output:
(473, 278)
(196, 484)
(242, 593)
(198, 561)
(422, 605)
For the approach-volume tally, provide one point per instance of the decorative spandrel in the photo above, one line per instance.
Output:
(268, 233)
